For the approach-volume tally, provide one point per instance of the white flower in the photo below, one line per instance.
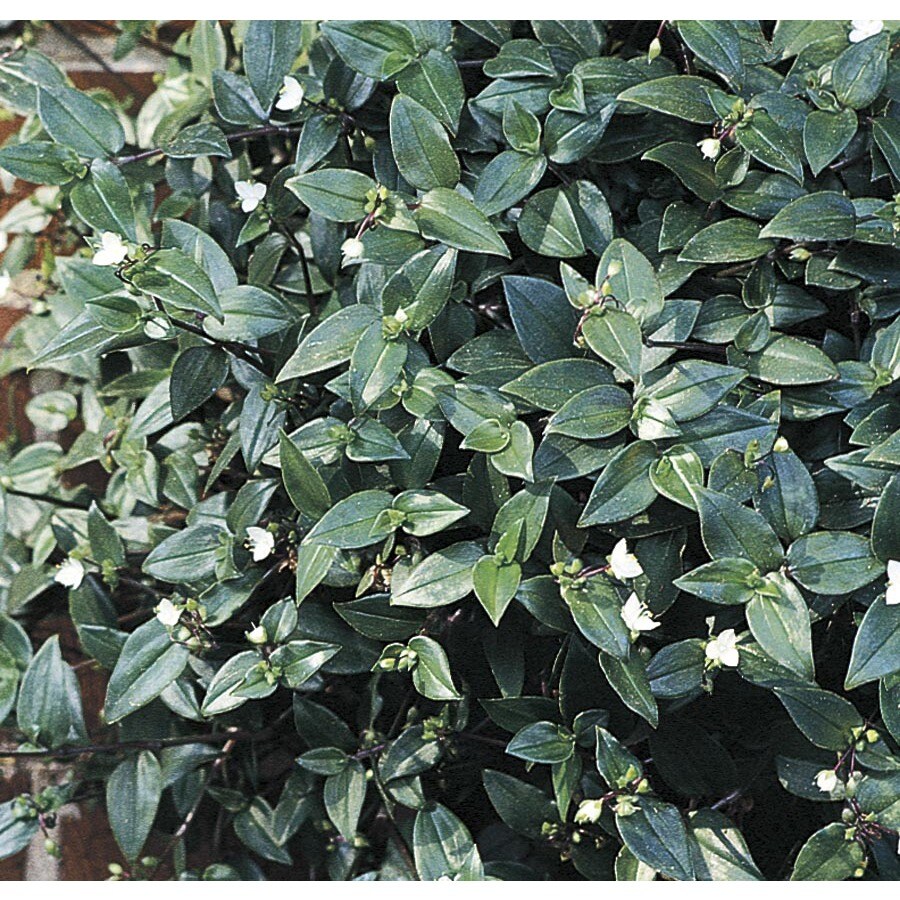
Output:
(70, 574)
(4, 241)
(291, 94)
(710, 147)
(827, 780)
(624, 564)
(860, 29)
(892, 595)
(723, 648)
(5, 282)
(251, 194)
(112, 250)
(168, 613)
(260, 542)
(636, 616)
(257, 635)
(352, 248)
(589, 812)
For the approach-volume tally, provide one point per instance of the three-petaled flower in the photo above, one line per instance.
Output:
(636, 616)
(826, 780)
(352, 248)
(860, 29)
(623, 564)
(723, 649)
(892, 594)
(112, 250)
(257, 635)
(260, 542)
(290, 95)
(251, 194)
(589, 812)
(168, 613)
(710, 147)
(70, 574)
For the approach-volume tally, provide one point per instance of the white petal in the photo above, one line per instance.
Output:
(249, 204)
(713, 650)
(893, 570)
(70, 574)
(729, 656)
(892, 595)
(624, 564)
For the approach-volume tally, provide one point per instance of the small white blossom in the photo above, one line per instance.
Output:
(257, 635)
(112, 250)
(70, 574)
(5, 282)
(260, 542)
(827, 780)
(251, 194)
(168, 613)
(710, 147)
(290, 95)
(589, 812)
(636, 616)
(860, 29)
(723, 648)
(892, 595)
(623, 564)
(352, 248)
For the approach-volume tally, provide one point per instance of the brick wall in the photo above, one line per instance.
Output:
(83, 832)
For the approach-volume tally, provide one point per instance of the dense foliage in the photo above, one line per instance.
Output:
(477, 450)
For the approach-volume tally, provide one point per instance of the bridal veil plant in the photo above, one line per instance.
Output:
(492, 439)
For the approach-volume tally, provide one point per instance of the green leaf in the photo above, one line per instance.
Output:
(185, 556)
(443, 577)
(103, 200)
(40, 162)
(542, 742)
(202, 139)
(597, 611)
(682, 96)
(351, 523)
(780, 623)
(828, 856)
(726, 580)
(173, 277)
(431, 675)
(434, 81)
(132, 798)
(148, 664)
(495, 583)
(269, 50)
(827, 719)
(420, 146)
(543, 319)
(786, 360)
(566, 222)
(832, 562)
(876, 648)
(730, 529)
(656, 834)
(720, 852)
(885, 534)
(197, 374)
(615, 336)
(15, 833)
(523, 807)
(731, 240)
(343, 795)
(49, 709)
(105, 541)
(624, 488)
(377, 49)
(594, 413)
(338, 195)
(444, 215)
(442, 846)
(628, 678)
(718, 44)
(826, 135)
(860, 72)
(304, 485)
(764, 139)
(887, 137)
(75, 120)
(823, 216)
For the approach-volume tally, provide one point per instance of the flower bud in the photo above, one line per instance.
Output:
(654, 49)
(710, 147)
(257, 635)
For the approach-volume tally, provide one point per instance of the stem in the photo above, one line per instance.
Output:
(234, 136)
(45, 498)
(223, 737)
(304, 264)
